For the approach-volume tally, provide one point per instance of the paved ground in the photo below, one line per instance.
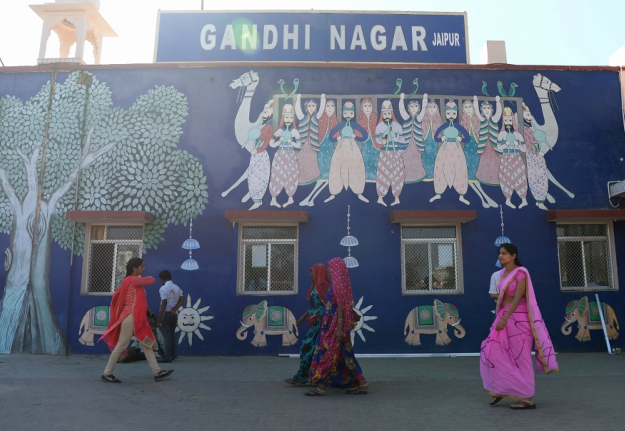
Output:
(247, 393)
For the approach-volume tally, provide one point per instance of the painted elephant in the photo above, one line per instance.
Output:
(433, 319)
(586, 314)
(268, 320)
(94, 322)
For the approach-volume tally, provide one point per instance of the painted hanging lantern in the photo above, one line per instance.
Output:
(190, 244)
(349, 241)
(502, 239)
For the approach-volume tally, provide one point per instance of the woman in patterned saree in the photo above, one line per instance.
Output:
(128, 317)
(506, 355)
(317, 297)
(334, 363)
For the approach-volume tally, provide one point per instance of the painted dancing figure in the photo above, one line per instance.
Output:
(429, 147)
(285, 167)
(450, 169)
(260, 167)
(389, 140)
(347, 168)
(488, 169)
(308, 128)
(512, 176)
(537, 173)
(413, 134)
(473, 150)
(368, 119)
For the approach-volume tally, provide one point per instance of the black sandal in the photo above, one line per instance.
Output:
(495, 400)
(163, 374)
(315, 393)
(524, 406)
(110, 379)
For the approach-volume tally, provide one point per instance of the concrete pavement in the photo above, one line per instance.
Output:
(247, 393)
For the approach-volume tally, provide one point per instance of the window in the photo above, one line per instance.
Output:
(108, 249)
(585, 253)
(430, 261)
(267, 260)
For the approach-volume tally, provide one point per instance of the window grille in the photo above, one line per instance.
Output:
(429, 257)
(268, 260)
(584, 254)
(110, 248)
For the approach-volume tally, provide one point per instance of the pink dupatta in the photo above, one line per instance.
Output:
(545, 353)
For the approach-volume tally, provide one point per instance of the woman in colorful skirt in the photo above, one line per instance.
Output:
(317, 296)
(506, 355)
(128, 318)
(334, 363)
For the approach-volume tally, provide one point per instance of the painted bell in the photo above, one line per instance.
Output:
(349, 241)
(350, 262)
(190, 265)
(191, 244)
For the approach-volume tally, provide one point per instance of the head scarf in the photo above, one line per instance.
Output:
(321, 283)
(368, 123)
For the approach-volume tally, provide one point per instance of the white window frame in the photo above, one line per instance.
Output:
(241, 260)
(86, 262)
(459, 290)
(612, 258)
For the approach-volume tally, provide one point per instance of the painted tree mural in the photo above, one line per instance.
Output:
(69, 148)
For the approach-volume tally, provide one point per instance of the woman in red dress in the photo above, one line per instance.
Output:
(128, 317)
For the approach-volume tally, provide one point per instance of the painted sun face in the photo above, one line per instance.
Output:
(367, 108)
(330, 108)
(190, 321)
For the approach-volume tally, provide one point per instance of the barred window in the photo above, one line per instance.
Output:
(585, 257)
(267, 260)
(429, 258)
(109, 248)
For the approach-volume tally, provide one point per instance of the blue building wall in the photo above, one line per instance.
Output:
(589, 153)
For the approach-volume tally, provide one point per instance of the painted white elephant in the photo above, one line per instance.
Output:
(94, 322)
(268, 320)
(586, 314)
(432, 319)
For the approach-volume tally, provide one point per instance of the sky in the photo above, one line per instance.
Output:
(536, 32)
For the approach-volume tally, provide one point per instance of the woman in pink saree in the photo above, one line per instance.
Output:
(506, 355)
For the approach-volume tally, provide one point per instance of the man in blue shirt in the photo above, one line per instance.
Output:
(171, 300)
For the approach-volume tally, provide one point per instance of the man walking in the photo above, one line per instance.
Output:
(171, 300)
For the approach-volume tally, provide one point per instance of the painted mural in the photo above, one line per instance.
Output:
(362, 322)
(268, 320)
(94, 322)
(69, 148)
(433, 319)
(586, 315)
(453, 141)
(190, 321)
